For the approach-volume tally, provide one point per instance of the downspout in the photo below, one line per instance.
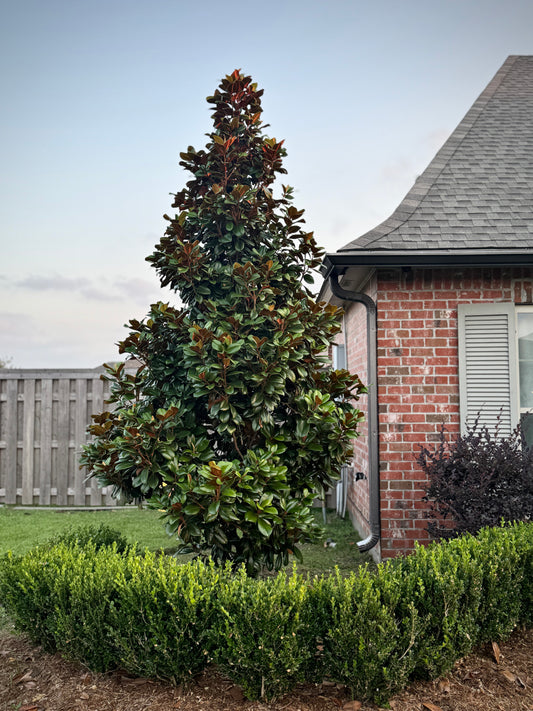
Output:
(373, 438)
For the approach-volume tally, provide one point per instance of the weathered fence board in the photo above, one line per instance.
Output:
(97, 402)
(28, 441)
(44, 416)
(63, 442)
(10, 426)
(80, 427)
(45, 476)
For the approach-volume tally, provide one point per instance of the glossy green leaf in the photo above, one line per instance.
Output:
(264, 526)
(212, 511)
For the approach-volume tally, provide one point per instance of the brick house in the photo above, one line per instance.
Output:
(438, 306)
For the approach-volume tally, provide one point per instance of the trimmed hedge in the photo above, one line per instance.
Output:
(373, 632)
(367, 638)
(163, 615)
(262, 635)
(100, 535)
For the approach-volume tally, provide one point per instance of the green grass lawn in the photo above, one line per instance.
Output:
(21, 530)
(319, 559)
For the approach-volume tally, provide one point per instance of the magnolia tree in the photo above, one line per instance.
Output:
(234, 420)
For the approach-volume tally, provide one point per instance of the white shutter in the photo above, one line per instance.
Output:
(487, 365)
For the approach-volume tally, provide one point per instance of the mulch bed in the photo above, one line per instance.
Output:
(496, 678)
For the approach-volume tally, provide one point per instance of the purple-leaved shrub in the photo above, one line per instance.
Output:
(477, 479)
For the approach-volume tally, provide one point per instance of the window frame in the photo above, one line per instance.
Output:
(521, 308)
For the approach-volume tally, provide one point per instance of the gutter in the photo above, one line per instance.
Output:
(373, 439)
(426, 258)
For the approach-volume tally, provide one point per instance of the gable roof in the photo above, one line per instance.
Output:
(474, 202)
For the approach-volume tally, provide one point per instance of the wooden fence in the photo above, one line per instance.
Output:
(44, 415)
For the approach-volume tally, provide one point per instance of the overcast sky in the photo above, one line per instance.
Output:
(99, 97)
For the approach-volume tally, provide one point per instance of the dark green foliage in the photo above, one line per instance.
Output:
(373, 632)
(416, 616)
(469, 591)
(84, 593)
(26, 584)
(503, 583)
(100, 535)
(476, 480)
(368, 636)
(232, 422)
(61, 596)
(524, 546)
(262, 633)
(164, 615)
(142, 613)
(445, 585)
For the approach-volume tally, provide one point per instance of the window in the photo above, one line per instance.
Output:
(339, 356)
(496, 365)
(524, 333)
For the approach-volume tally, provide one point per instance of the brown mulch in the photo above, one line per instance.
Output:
(496, 678)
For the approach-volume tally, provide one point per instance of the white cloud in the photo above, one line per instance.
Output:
(139, 290)
(94, 293)
(56, 321)
(52, 282)
(97, 288)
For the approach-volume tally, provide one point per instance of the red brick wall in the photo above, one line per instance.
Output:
(418, 385)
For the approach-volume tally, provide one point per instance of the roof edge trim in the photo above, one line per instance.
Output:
(427, 258)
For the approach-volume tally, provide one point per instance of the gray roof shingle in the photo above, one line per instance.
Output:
(477, 193)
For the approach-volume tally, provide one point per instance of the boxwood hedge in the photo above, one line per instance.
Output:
(372, 631)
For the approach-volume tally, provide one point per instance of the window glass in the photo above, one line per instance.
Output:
(526, 423)
(525, 358)
(339, 356)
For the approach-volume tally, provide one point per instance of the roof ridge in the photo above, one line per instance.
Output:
(424, 182)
